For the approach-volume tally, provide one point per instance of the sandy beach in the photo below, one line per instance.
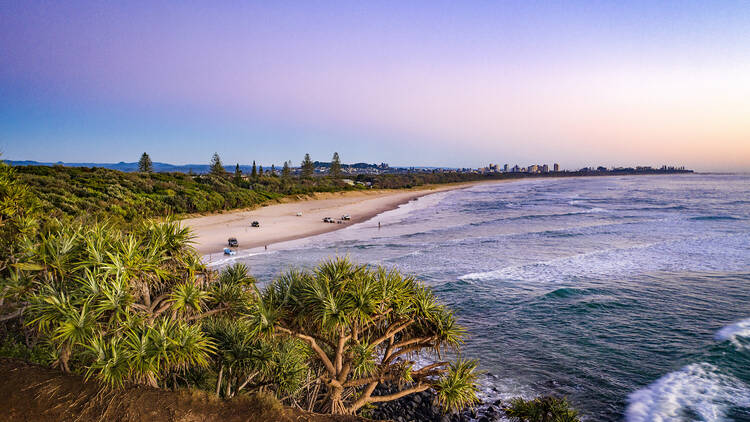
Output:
(279, 222)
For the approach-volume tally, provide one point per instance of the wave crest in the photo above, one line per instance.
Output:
(734, 332)
(698, 389)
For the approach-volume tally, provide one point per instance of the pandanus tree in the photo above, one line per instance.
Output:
(367, 327)
(125, 307)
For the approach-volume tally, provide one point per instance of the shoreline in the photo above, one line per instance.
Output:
(279, 222)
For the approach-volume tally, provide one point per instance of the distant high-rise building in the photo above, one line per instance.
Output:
(556, 167)
(545, 168)
(505, 168)
(533, 168)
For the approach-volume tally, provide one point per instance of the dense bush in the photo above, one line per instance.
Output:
(106, 194)
(541, 409)
(138, 307)
(122, 198)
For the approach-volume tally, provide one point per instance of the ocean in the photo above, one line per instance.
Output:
(628, 295)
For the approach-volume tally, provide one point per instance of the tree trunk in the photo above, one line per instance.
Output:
(151, 380)
(218, 383)
(64, 358)
(336, 402)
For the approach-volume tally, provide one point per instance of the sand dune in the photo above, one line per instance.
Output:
(279, 222)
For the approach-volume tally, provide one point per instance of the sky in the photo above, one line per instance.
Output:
(426, 83)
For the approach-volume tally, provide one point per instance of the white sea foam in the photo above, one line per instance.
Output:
(698, 389)
(721, 253)
(226, 259)
(734, 332)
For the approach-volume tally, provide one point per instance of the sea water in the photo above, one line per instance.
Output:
(628, 295)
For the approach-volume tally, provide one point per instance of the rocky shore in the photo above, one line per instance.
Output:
(421, 407)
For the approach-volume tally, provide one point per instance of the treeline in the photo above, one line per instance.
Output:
(122, 198)
(112, 194)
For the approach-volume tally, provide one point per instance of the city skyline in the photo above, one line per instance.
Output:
(424, 84)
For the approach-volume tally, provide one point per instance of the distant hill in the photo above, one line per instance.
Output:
(132, 167)
(183, 168)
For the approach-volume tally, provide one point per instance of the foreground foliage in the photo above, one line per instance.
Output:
(541, 409)
(367, 327)
(137, 306)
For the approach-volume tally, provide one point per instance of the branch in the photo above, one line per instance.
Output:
(340, 350)
(405, 350)
(427, 371)
(416, 389)
(157, 301)
(374, 378)
(249, 378)
(373, 321)
(208, 313)
(161, 310)
(314, 345)
(364, 398)
(430, 367)
(12, 315)
(392, 332)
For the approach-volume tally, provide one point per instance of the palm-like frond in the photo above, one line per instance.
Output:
(236, 274)
(78, 325)
(115, 298)
(188, 298)
(458, 388)
(111, 363)
(48, 307)
(191, 347)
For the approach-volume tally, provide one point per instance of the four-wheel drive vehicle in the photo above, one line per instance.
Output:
(255, 224)
(228, 251)
(328, 220)
(346, 217)
(233, 242)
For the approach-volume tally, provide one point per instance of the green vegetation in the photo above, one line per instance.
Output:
(102, 194)
(335, 169)
(144, 164)
(307, 167)
(136, 306)
(217, 168)
(541, 409)
(365, 327)
(123, 198)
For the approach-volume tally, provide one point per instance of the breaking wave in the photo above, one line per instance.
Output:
(696, 392)
(734, 332)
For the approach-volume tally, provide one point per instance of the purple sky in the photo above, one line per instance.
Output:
(409, 83)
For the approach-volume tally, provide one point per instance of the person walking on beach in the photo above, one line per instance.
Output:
(378, 225)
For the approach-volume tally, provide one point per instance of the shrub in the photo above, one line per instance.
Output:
(541, 409)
